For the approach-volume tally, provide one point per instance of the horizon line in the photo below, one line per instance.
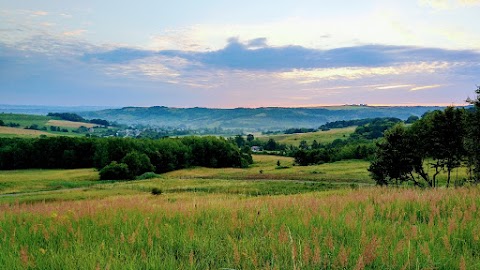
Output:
(259, 107)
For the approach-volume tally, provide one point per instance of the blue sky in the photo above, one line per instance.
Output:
(238, 53)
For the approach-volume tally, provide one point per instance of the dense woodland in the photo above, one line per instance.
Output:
(122, 158)
(441, 141)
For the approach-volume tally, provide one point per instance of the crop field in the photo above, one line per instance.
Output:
(16, 132)
(319, 136)
(68, 124)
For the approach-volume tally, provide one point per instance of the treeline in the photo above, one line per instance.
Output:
(374, 128)
(359, 145)
(335, 151)
(350, 123)
(158, 155)
(77, 118)
(299, 130)
(361, 122)
(250, 141)
(9, 124)
(439, 142)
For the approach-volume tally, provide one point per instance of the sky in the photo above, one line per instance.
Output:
(227, 54)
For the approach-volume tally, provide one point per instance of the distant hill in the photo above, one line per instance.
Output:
(44, 109)
(258, 119)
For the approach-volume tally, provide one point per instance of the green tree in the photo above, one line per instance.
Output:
(250, 138)
(411, 119)
(395, 159)
(271, 145)
(138, 163)
(240, 141)
(115, 171)
(303, 145)
(402, 156)
(440, 135)
(472, 141)
(315, 144)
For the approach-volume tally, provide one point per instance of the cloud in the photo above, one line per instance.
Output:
(75, 33)
(257, 55)
(448, 4)
(387, 87)
(39, 13)
(243, 73)
(257, 43)
(254, 62)
(425, 87)
(353, 73)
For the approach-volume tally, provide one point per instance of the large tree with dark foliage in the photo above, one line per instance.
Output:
(435, 141)
(472, 142)
(396, 159)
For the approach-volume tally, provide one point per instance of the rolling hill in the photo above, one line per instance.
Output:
(251, 119)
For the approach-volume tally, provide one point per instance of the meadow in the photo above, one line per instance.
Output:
(320, 136)
(327, 216)
(370, 228)
(41, 121)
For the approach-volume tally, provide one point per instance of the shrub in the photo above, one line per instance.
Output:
(157, 191)
(138, 163)
(147, 175)
(115, 171)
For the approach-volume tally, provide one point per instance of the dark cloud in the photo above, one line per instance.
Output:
(256, 55)
(258, 42)
(120, 55)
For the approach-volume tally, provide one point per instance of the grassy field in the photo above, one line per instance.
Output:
(21, 132)
(50, 185)
(371, 228)
(22, 181)
(265, 167)
(327, 216)
(261, 178)
(319, 136)
(25, 119)
(41, 121)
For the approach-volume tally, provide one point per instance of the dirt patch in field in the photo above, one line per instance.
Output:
(21, 131)
(70, 124)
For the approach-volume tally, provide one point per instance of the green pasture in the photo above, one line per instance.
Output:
(320, 136)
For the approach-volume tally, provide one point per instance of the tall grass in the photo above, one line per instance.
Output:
(372, 228)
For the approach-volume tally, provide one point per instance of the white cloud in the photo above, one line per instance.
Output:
(353, 73)
(387, 87)
(75, 33)
(425, 87)
(448, 4)
(39, 13)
